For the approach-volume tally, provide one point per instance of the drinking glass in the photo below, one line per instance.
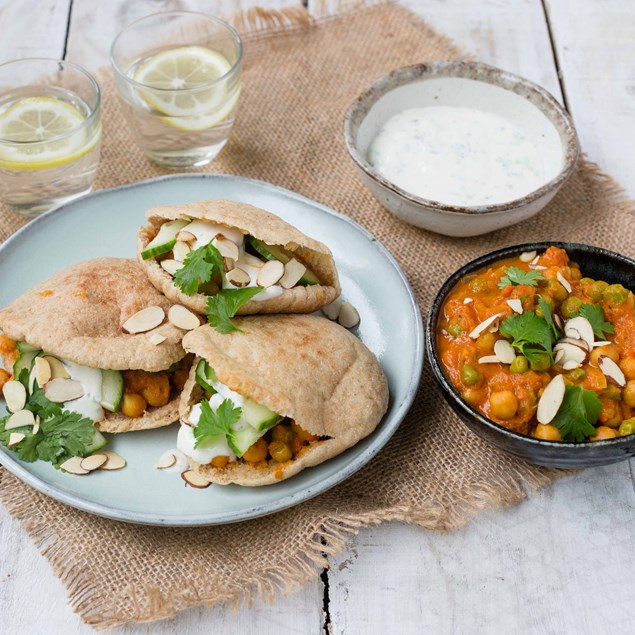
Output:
(50, 133)
(178, 78)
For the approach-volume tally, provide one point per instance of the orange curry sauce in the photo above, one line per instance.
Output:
(478, 297)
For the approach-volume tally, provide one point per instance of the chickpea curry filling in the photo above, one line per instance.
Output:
(542, 350)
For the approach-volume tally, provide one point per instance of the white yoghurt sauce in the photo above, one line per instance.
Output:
(457, 156)
(90, 378)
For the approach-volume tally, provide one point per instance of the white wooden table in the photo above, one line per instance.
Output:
(562, 562)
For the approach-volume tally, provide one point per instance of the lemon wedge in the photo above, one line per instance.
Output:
(40, 119)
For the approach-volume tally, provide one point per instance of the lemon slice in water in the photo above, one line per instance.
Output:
(38, 119)
(178, 73)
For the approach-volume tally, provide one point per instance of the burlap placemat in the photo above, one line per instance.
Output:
(301, 74)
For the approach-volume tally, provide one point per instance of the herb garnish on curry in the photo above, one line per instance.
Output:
(541, 350)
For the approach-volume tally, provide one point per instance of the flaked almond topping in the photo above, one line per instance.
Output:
(489, 359)
(551, 400)
(332, 311)
(62, 390)
(15, 395)
(293, 271)
(572, 354)
(558, 357)
(15, 438)
(93, 462)
(185, 237)
(558, 320)
(183, 318)
(238, 277)
(576, 342)
(515, 305)
(113, 461)
(144, 320)
(167, 460)
(467, 300)
(74, 466)
(36, 425)
(228, 264)
(504, 351)
(171, 266)
(526, 256)
(537, 267)
(42, 371)
(157, 338)
(348, 317)
(251, 261)
(484, 325)
(180, 251)
(227, 248)
(194, 479)
(270, 273)
(580, 328)
(571, 365)
(611, 371)
(535, 260)
(596, 344)
(564, 282)
(58, 370)
(19, 419)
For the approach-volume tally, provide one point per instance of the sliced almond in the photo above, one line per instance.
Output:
(183, 318)
(227, 248)
(564, 282)
(580, 328)
(332, 311)
(238, 277)
(571, 353)
(171, 266)
(597, 344)
(504, 351)
(113, 461)
(185, 237)
(611, 371)
(515, 305)
(570, 365)
(558, 357)
(144, 320)
(74, 466)
(19, 419)
(15, 438)
(42, 371)
(93, 462)
(348, 317)
(15, 395)
(489, 359)
(62, 390)
(551, 400)
(293, 271)
(251, 261)
(228, 264)
(467, 300)
(157, 338)
(36, 425)
(558, 320)
(537, 267)
(526, 256)
(535, 260)
(194, 479)
(180, 251)
(167, 460)
(576, 342)
(270, 273)
(484, 325)
(57, 368)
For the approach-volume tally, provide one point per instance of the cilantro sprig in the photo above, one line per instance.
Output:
(223, 306)
(532, 336)
(578, 412)
(214, 423)
(514, 276)
(595, 315)
(199, 266)
(548, 317)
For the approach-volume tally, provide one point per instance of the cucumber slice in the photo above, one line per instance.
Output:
(259, 417)
(242, 439)
(164, 240)
(24, 361)
(276, 252)
(23, 347)
(97, 443)
(205, 376)
(111, 389)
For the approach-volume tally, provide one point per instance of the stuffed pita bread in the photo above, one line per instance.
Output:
(307, 390)
(245, 248)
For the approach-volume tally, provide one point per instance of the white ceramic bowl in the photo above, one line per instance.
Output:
(527, 106)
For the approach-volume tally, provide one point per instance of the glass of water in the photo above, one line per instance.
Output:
(178, 77)
(50, 133)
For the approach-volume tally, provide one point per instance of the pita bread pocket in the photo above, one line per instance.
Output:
(218, 249)
(286, 393)
(93, 341)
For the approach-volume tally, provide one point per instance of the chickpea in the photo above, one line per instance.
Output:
(282, 433)
(611, 415)
(280, 451)
(485, 342)
(570, 307)
(628, 367)
(627, 427)
(133, 405)
(503, 404)
(615, 294)
(157, 389)
(296, 445)
(519, 365)
(469, 375)
(474, 396)
(4, 377)
(220, 461)
(547, 432)
(302, 433)
(628, 395)
(179, 377)
(602, 432)
(257, 452)
(612, 392)
(611, 351)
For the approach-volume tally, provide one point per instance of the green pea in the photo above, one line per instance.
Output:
(541, 362)
(597, 289)
(613, 393)
(586, 281)
(557, 290)
(570, 306)
(455, 329)
(480, 285)
(577, 374)
(615, 294)
(627, 427)
(519, 365)
(469, 375)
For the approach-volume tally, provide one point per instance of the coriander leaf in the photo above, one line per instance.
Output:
(64, 436)
(26, 449)
(531, 335)
(514, 276)
(578, 412)
(198, 267)
(595, 315)
(546, 311)
(212, 424)
(38, 404)
(223, 306)
(23, 378)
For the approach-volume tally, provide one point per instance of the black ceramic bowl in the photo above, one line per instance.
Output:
(594, 262)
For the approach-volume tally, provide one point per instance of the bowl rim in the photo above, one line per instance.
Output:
(404, 75)
(447, 386)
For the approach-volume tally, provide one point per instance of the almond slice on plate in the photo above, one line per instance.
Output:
(93, 462)
(596, 344)
(15, 438)
(157, 338)
(194, 479)
(61, 390)
(580, 328)
(171, 265)
(166, 460)
(332, 311)
(238, 277)
(15, 395)
(144, 320)
(537, 267)
(113, 461)
(180, 251)
(42, 371)
(571, 354)
(58, 370)
(19, 419)
(527, 256)
(558, 357)
(270, 273)
(74, 466)
(36, 425)
(183, 318)
(564, 282)
(504, 351)
(576, 342)
(489, 359)
(226, 247)
(535, 260)
(293, 271)
(484, 325)
(185, 237)
(611, 371)
(551, 400)
(348, 316)
(515, 305)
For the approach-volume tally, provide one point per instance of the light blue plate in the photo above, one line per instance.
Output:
(105, 224)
